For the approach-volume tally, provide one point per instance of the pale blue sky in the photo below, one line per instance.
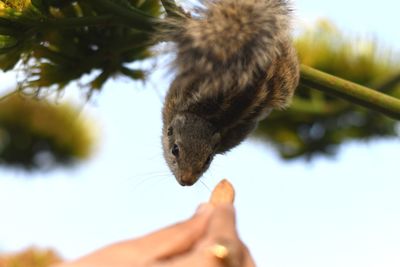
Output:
(342, 212)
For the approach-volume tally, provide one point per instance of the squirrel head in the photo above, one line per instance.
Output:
(189, 144)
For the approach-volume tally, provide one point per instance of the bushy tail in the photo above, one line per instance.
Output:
(225, 29)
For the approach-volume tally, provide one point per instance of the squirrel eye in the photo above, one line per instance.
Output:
(170, 131)
(175, 150)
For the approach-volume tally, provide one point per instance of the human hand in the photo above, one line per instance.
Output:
(209, 239)
(219, 246)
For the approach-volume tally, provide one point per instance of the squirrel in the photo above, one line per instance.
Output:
(234, 63)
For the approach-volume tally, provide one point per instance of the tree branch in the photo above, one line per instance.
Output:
(350, 91)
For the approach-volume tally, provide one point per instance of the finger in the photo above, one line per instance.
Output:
(223, 222)
(222, 237)
(176, 239)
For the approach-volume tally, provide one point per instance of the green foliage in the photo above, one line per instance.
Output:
(317, 123)
(38, 134)
(58, 41)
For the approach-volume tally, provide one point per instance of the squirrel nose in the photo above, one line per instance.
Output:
(187, 179)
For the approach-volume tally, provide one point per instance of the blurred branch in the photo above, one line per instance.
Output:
(350, 91)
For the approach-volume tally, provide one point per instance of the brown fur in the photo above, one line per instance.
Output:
(234, 64)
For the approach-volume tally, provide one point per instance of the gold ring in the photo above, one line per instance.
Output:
(219, 251)
(226, 252)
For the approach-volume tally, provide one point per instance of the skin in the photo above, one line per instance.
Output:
(184, 244)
